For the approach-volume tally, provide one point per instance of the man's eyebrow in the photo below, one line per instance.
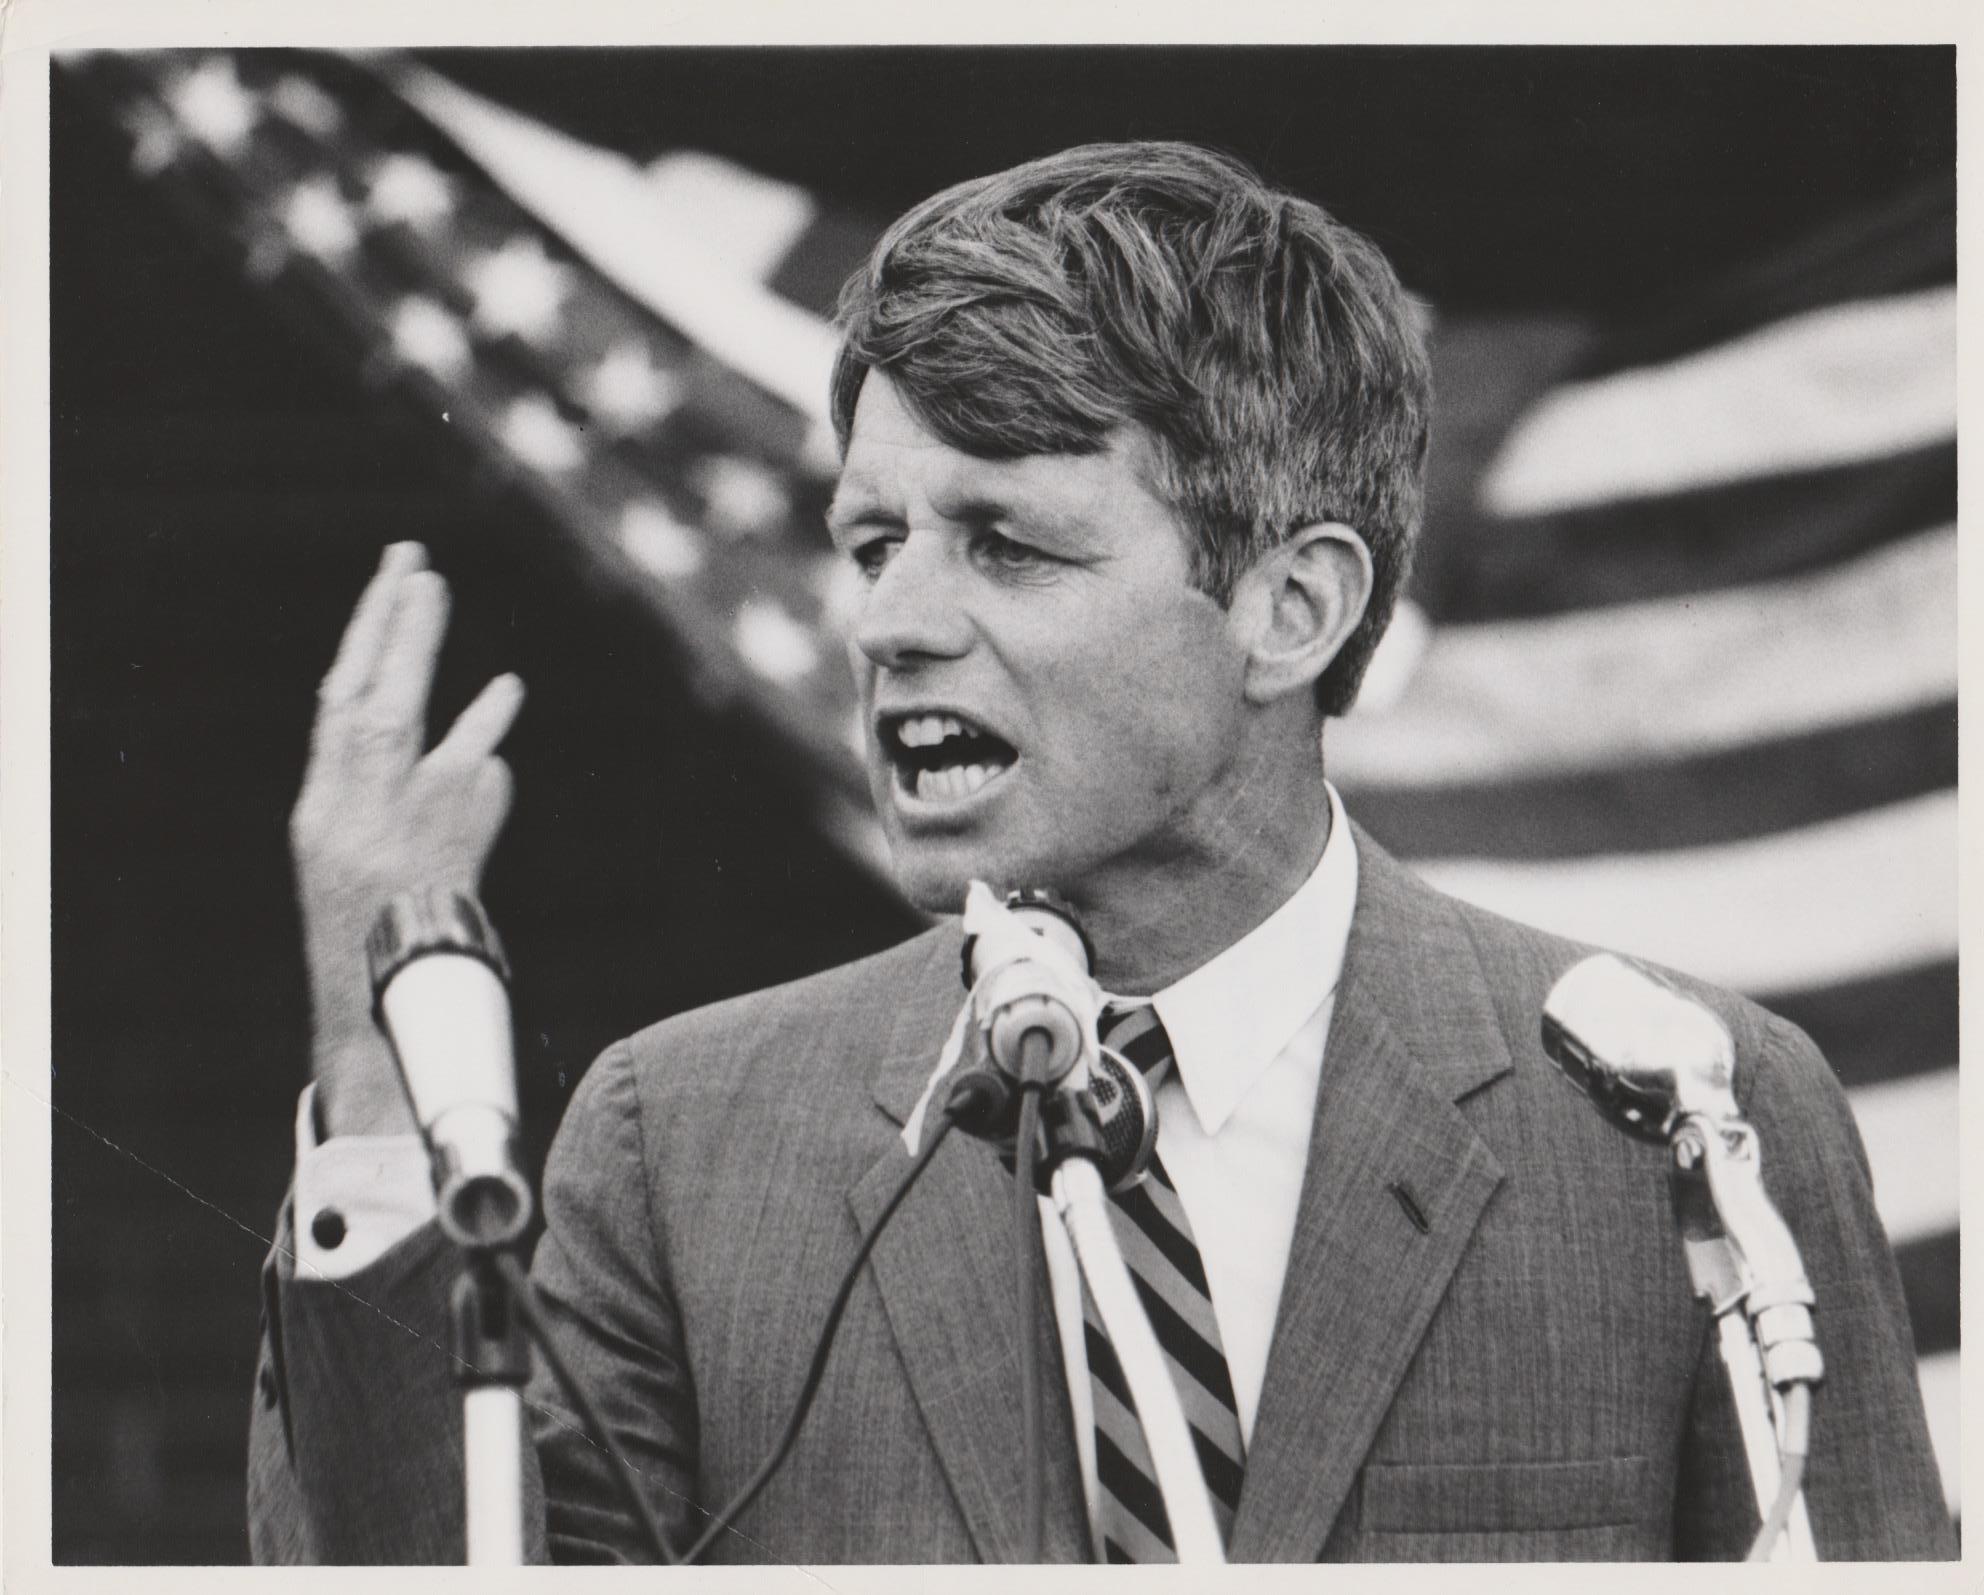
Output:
(859, 509)
(979, 510)
(851, 510)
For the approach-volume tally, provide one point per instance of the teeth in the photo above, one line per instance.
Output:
(927, 730)
(954, 782)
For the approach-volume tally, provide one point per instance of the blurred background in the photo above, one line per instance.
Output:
(1678, 672)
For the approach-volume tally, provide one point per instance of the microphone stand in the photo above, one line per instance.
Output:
(438, 977)
(1699, 1180)
(1034, 1039)
(1075, 1185)
(492, 1359)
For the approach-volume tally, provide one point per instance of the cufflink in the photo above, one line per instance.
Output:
(327, 1229)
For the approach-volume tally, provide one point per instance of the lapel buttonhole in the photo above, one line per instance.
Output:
(1402, 1193)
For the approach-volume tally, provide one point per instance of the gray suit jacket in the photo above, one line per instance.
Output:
(1527, 1377)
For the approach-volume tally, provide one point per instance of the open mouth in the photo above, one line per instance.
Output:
(943, 758)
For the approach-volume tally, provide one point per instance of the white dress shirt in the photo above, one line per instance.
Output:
(1234, 1120)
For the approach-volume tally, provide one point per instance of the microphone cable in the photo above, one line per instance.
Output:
(947, 1121)
(524, 1302)
(530, 1313)
(1791, 1479)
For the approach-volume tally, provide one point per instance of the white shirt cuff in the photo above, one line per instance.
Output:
(355, 1196)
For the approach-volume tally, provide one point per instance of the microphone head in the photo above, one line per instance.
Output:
(1126, 1116)
(1646, 1054)
(1046, 914)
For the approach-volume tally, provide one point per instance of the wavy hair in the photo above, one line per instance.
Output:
(1267, 350)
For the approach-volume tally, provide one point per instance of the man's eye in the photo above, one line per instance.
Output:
(871, 556)
(1000, 550)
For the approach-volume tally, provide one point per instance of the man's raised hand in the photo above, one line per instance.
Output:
(379, 814)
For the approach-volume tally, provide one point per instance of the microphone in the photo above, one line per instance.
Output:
(440, 995)
(1663, 1067)
(1646, 1054)
(1025, 997)
(1038, 998)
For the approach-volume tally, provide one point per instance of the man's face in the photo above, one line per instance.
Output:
(1048, 700)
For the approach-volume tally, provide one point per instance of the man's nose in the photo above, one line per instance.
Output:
(914, 612)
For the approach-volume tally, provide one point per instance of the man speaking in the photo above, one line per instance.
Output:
(1132, 455)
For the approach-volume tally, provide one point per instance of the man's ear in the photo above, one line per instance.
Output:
(1297, 606)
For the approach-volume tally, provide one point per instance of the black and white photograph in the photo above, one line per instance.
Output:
(911, 803)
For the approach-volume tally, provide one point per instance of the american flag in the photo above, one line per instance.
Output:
(1678, 671)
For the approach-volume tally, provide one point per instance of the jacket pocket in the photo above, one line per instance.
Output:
(1494, 1497)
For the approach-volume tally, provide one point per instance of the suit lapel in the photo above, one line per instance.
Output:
(1413, 1031)
(945, 1269)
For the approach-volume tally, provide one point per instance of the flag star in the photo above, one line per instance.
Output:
(741, 497)
(772, 643)
(216, 109)
(425, 335)
(155, 140)
(409, 190)
(301, 103)
(628, 390)
(318, 221)
(520, 290)
(537, 434)
(658, 542)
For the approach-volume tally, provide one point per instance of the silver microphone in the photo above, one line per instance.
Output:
(1126, 1116)
(1663, 1067)
(439, 992)
(1030, 1031)
(1023, 1014)
(1646, 1054)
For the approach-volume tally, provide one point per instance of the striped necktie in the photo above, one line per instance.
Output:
(1156, 1238)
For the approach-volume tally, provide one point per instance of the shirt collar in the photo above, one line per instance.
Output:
(1233, 1015)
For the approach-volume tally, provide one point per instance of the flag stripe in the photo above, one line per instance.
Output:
(1910, 1130)
(1721, 796)
(1845, 382)
(596, 202)
(1888, 1027)
(1931, 1274)
(748, 221)
(1873, 636)
(830, 251)
(1754, 530)
(1880, 249)
(1850, 898)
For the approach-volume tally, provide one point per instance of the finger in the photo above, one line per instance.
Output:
(358, 650)
(489, 807)
(480, 727)
(397, 696)
(495, 787)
